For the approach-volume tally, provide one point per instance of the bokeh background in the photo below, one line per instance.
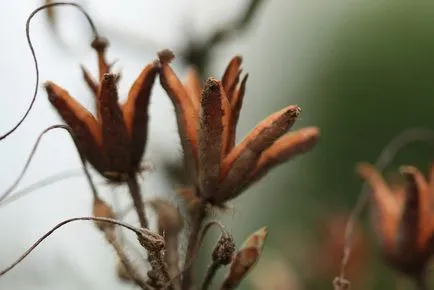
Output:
(361, 70)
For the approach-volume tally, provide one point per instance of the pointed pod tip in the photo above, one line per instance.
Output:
(166, 56)
(238, 59)
(52, 89)
(211, 84)
(256, 239)
(408, 170)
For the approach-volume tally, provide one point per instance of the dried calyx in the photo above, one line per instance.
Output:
(403, 218)
(207, 118)
(114, 141)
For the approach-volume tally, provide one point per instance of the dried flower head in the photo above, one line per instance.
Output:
(403, 218)
(114, 141)
(207, 120)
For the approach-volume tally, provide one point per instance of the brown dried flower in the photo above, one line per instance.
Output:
(403, 218)
(114, 141)
(207, 120)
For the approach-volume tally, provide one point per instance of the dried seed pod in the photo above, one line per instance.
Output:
(208, 127)
(114, 141)
(403, 219)
(245, 259)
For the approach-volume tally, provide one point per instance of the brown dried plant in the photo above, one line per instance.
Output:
(114, 142)
(218, 169)
(403, 218)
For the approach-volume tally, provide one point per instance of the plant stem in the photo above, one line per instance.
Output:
(210, 273)
(197, 222)
(421, 282)
(111, 238)
(136, 196)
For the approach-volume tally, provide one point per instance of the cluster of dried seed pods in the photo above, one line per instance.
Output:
(403, 218)
(207, 119)
(113, 141)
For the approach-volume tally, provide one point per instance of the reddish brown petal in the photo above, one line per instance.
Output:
(90, 81)
(115, 135)
(416, 218)
(431, 183)
(242, 159)
(193, 87)
(210, 136)
(135, 112)
(236, 104)
(245, 259)
(231, 75)
(187, 116)
(387, 209)
(86, 129)
(285, 148)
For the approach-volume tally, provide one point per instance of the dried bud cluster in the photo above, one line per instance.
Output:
(207, 120)
(224, 250)
(403, 218)
(114, 141)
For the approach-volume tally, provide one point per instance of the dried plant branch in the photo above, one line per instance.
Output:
(189, 262)
(198, 218)
(209, 275)
(385, 157)
(32, 153)
(123, 258)
(138, 231)
(170, 224)
(35, 61)
(137, 198)
(198, 53)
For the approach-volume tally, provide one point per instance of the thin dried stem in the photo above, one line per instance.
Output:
(189, 262)
(35, 61)
(385, 157)
(136, 230)
(198, 53)
(209, 276)
(32, 153)
(129, 267)
(137, 198)
(196, 225)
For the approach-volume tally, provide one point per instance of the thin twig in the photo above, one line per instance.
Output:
(137, 198)
(32, 153)
(129, 267)
(385, 157)
(138, 231)
(209, 276)
(197, 222)
(189, 262)
(35, 61)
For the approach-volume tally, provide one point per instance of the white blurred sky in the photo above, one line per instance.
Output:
(284, 34)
